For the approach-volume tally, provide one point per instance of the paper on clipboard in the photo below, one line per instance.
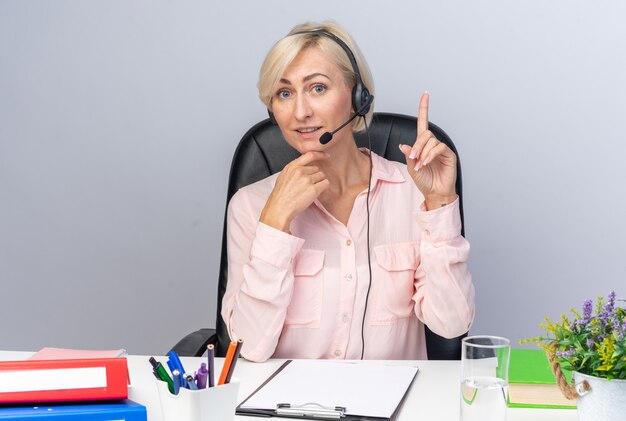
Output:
(363, 389)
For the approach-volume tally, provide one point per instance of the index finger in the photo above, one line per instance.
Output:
(422, 114)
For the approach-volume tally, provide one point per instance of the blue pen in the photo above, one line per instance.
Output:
(191, 384)
(177, 381)
(172, 367)
(176, 365)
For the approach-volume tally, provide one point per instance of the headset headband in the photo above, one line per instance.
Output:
(361, 97)
(341, 43)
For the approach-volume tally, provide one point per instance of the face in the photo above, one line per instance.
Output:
(312, 98)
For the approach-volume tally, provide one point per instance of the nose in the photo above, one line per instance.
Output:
(302, 109)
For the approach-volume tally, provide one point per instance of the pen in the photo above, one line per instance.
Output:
(231, 369)
(159, 370)
(191, 384)
(177, 381)
(176, 365)
(173, 368)
(201, 376)
(211, 366)
(227, 362)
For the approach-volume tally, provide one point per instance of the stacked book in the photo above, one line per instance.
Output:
(531, 382)
(68, 385)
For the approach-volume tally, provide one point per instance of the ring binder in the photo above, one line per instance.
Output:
(63, 380)
(310, 409)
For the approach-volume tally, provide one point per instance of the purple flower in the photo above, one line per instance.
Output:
(612, 298)
(587, 309)
(608, 311)
(590, 343)
(582, 323)
(620, 329)
(565, 354)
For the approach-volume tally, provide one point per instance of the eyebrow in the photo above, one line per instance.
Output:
(306, 78)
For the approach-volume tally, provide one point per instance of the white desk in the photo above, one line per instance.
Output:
(435, 394)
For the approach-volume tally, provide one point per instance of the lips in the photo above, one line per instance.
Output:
(305, 130)
(308, 133)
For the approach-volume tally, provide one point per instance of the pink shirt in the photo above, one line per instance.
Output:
(303, 295)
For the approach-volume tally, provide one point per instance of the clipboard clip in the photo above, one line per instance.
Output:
(310, 409)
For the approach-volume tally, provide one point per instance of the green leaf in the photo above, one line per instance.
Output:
(585, 359)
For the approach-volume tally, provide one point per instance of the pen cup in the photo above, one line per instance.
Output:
(212, 403)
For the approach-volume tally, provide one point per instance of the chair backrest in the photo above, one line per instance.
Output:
(263, 151)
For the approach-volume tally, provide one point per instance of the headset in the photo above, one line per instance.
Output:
(361, 103)
(361, 97)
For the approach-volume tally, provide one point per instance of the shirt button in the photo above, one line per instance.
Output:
(349, 277)
(345, 318)
(337, 353)
(348, 242)
(426, 232)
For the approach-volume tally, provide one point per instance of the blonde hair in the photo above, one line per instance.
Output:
(298, 39)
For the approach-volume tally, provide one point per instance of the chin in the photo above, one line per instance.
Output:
(304, 146)
(314, 147)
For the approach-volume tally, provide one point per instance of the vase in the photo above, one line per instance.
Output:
(605, 401)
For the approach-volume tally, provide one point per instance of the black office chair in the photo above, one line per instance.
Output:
(262, 152)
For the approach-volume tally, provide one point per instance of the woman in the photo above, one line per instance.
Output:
(299, 282)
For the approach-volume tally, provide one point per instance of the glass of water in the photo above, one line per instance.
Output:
(484, 378)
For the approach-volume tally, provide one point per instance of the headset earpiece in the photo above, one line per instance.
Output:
(360, 97)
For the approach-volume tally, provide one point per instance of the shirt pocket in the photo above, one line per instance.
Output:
(305, 307)
(394, 282)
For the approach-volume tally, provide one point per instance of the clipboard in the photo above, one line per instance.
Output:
(327, 390)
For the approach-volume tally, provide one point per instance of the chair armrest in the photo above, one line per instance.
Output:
(195, 343)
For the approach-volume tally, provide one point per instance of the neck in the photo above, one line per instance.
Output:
(347, 167)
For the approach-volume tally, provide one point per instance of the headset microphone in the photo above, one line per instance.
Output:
(328, 136)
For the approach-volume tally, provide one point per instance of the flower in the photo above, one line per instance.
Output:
(593, 344)
(620, 329)
(608, 311)
(565, 354)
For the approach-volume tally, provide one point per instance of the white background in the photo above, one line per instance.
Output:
(118, 120)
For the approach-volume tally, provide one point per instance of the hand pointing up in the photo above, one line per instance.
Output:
(431, 163)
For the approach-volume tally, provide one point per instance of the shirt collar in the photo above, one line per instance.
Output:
(384, 169)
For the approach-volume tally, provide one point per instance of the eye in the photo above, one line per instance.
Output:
(318, 89)
(283, 94)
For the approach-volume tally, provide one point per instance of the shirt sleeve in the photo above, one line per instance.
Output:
(444, 292)
(260, 280)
